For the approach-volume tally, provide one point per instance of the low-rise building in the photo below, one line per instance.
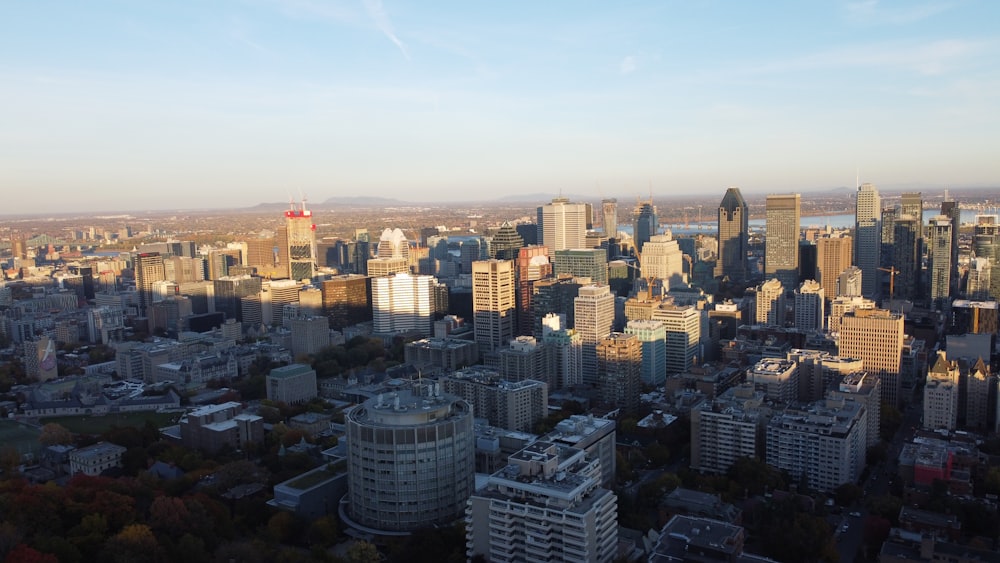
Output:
(292, 384)
(96, 459)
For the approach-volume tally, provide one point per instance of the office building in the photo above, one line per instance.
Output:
(781, 245)
(683, 327)
(986, 244)
(392, 254)
(770, 306)
(547, 504)
(292, 384)
(404, 303)
(528, 358)
(532, 265)
(849, 282)
(562, 225)
(589, 263)
(833, 256)
(843, 305)
(810, 307)
(734, 231)
(644, 223)
(875, 336)
(940, 253)
(556, 295)
(309, 335)
(594, 314)
(96, 459)
(824, 442)
(347, 300)
(411, 460)
(609, 218)
(506, 243)
(941, 395)
(493, 305)
(652, 336)
(148, 270)
(663, 260)
(868, 237)
(230, 292)
(566, 346)
(619, 369)
(951, 210)
(300, 236)
(274, 295)
(214, 427)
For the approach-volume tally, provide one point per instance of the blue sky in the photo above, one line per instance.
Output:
(144, 104)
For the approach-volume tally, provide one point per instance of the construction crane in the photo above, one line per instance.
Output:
(892, 280)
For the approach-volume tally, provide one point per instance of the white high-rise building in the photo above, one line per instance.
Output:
(662, 259)
(403, 302)
(546, 505)
(594, 315)
(868, 237)
(941, 395)
(562, 225)
(843, 305)
(493, 306)
(683, 327)
(727, 429)
(769, 306)
(809, 306)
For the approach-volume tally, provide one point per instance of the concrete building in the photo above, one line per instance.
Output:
(566, 347)
(511, 405)
(594, 313)
(833, 256)
(865, 388)
(781, 248)
(300, 237)
(214, 427)
(662, 259)
(824, 442)
(778, 379)
(404, 303)
(448, 354)
(727, 429)
(149, 269)
(875, 336)
(532, 265)
(683, 327)
(940, 252)
(527, 358)
(810, 311)
(546, 505)
(652, 336)
(619, 371)
(411, 461)
(697, 539)
(595, 436)
(292, 384)
(645, 224)
(842, 305)
(769, 303)
(849, 283)
(493, 304)
(309, 335)
(591, 263)
(941, 395)
(96, 459)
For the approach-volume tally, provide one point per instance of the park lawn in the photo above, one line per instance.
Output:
(90, 424)
(22, 438)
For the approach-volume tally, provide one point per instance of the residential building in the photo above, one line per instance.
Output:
(777, 378)
(770, 307)
(512, 405)
(528, 358)
(532, 265)
(493, 304)
(683, 327)
(810, 307)
(940, 252)
(941, 395)
(727, 429)
(594, 313)
(619, 367)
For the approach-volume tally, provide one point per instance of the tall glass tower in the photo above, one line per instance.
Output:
(733, 233)
(868, 237)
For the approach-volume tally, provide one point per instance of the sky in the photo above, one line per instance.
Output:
(146, 104)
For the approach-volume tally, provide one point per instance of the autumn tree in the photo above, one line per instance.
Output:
(54, 434)
(134, 544)
(25, 554)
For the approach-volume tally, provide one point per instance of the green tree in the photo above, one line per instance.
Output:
(363, 552)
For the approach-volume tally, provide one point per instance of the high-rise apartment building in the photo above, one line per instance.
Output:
(566, 347)
(849, 282)
(619, 368)
(778, 379)
(300, 233)
(866, 388)
(512, 405)
(562, 224)
(644, 223)
(547, 504)
(734, 231)
(411, 460)
(652, 336)
(528, 358)
(781, 245)
(769, 305)
(683, 326)
(986, 244)
(833, 256)
(493, 305)
(981, 397)
(941, 394)
(868, 237)
(940, 250)
(594, 314)
(728, 428)
(875, 336)
(810, 307)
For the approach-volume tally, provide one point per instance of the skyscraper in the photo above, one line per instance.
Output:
(875, 336)
(301, 239)
(562, 224)
(404, 302)
(619, 368)
(644, 223)
(940, 260)
(392, 256)
(769, 306)
(833, 256)
(951, 210)
(809, 307)
(148, 270)
(493, 304)
(506, 243)
(652, 336)
(868, 237)
(986, 244)
(662, 259)
(594, 315)
(733, 232)
(582, 262)
(532, 265)
(609, 215)
(781, 246)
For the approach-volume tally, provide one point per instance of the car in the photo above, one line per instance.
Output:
(855, 515)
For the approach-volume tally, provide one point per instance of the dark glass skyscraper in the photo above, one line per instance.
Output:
(644, 223)
(733, 232)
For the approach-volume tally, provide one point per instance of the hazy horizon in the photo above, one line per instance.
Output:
(132, 107)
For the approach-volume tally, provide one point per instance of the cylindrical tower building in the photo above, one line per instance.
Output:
(411, 460)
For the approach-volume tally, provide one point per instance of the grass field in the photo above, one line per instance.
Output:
(24, 439)
(101, 424)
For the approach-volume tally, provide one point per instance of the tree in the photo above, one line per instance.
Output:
(25, 554)
(134, 544)
(282, 526)
(169, 515)
(54, 434)
(362, 552)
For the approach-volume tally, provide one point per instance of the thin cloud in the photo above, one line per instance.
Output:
(628, 65)
(873, 12)
(381, 19)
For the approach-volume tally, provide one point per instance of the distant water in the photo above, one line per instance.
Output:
(840, 221)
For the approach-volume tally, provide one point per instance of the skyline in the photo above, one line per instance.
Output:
(126, 107)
